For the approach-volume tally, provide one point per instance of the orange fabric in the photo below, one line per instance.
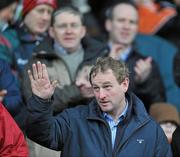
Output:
(150, 21)
(12, 141)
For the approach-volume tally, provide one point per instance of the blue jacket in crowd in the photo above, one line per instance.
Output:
(12, 100)
(83, 131)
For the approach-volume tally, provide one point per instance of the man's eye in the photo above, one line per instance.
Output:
(96, 88)
(107, 87)
(61, 26)
(75, 25)
(41, 11)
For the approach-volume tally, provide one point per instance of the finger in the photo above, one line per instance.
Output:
(35, 73)
(54, 84)
(140, 63)
(148, 59)
(45, 72)
(30, 76)
(137, 71)
(40, 70)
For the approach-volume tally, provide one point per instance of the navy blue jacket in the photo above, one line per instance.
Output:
(13, 99)
(82, 131)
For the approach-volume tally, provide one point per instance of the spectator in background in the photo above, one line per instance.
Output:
(19, 45)
(7, 10)
(115, 124)
(154, 16)
(12, 139)
(82, 80)
(171, 31)
(167, 116)
(163, 53)
(160, 18)
(122, 26)
(63, 53)
(158, 48)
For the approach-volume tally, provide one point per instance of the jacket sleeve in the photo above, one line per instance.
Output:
(66, 97)
(44, 128)
(12, 141)
(8, 41)
(13, 100)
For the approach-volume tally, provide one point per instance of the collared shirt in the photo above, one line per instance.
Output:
(61, 51)
(124, 55)
(113, 125)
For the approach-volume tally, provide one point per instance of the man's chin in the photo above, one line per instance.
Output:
(105, 109)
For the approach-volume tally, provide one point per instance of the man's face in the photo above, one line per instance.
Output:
(38, 19)
(8, 12)
(82, 82)
(109, 94)
(123, 26)
(68, 31)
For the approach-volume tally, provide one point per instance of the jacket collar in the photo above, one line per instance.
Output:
(136, 108)
(25, 35)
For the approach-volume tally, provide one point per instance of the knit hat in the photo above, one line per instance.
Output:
(28, 5)
(163, 112)
(6, 3)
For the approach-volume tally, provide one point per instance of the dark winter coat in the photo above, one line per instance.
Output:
(83, 131)
(67, 93)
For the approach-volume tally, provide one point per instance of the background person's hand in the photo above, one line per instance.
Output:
(3, 92)
(40, 83)
(143, 69)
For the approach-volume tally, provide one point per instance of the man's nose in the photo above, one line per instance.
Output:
(69, 29)
(102, 94)
(46, 15)
(126, 25)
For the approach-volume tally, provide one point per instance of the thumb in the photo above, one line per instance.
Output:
(54, 84)
(148, 59)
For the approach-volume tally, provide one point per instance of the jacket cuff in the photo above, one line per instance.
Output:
(48, 101)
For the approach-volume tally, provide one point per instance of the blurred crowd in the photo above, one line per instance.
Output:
(68, 36)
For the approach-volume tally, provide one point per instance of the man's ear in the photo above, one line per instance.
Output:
(125, 84)
(83, 31)
(51, 32)
(108, 25)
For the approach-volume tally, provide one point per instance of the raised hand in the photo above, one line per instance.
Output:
(40, 83)
(143, 69)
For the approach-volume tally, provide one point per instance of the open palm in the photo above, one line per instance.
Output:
(40, 83)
